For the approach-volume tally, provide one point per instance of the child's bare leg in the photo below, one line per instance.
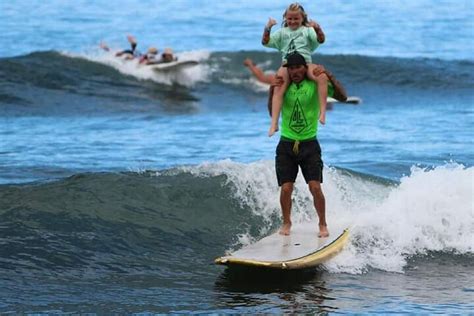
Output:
(277, 100)
(322, 81)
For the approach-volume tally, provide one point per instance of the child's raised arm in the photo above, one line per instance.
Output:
(267, 29)
(319, 31)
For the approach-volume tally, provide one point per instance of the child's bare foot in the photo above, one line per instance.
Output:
(272, 130)
(323, 231)
(285, 229)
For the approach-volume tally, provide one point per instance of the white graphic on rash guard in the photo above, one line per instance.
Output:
(298, 119)
(292, 46)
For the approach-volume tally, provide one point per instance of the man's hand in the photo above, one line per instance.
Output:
(248, 62)
(318, 70)
(277, 81)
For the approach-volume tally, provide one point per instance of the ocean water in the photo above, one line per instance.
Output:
(120, 185)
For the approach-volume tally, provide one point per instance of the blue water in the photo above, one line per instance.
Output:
(130, 182)
(419, 28)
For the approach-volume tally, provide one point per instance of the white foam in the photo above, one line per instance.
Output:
(430, 210)
(188, 76)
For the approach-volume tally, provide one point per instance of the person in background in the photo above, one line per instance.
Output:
(150, 57)
(167, 56)
(126, 53)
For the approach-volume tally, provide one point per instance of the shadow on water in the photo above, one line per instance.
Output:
(290, 291)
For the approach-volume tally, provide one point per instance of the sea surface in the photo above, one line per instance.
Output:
(119, 185)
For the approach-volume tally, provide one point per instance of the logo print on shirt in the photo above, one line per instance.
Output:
(298, 119)
(292, 46)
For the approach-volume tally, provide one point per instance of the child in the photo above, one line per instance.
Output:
(297, 34)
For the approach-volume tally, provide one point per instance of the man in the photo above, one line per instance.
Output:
(298, 146)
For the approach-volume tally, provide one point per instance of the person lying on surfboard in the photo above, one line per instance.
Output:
(166, 57)
(298, 145)
(150, 58)
(126, 53)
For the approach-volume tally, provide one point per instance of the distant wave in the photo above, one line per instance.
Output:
(139, 221)
(417, 73)
(53, 82)
(63, 71)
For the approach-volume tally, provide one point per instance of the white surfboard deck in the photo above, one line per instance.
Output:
(301, 249)
(350, 100)
(174, 65)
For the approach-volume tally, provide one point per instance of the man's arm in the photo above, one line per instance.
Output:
(257, 72)
(339, 91)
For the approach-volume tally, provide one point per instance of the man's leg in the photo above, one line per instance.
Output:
(320, 205)
(285, 202)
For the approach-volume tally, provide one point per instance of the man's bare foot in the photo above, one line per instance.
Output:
(285, 229)
(323, 231)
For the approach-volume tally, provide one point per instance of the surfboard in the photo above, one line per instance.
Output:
(350, 100)
(174, 65)
(300, 250)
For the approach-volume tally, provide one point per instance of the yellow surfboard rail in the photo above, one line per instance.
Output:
(313, 259)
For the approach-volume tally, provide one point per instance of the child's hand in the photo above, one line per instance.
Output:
(273, 129)
(322, 119)
(271, 22)
(313, 24)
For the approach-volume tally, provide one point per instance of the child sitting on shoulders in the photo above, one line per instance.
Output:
(298, 34)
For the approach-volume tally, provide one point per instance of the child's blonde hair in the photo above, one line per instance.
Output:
(296, 7)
